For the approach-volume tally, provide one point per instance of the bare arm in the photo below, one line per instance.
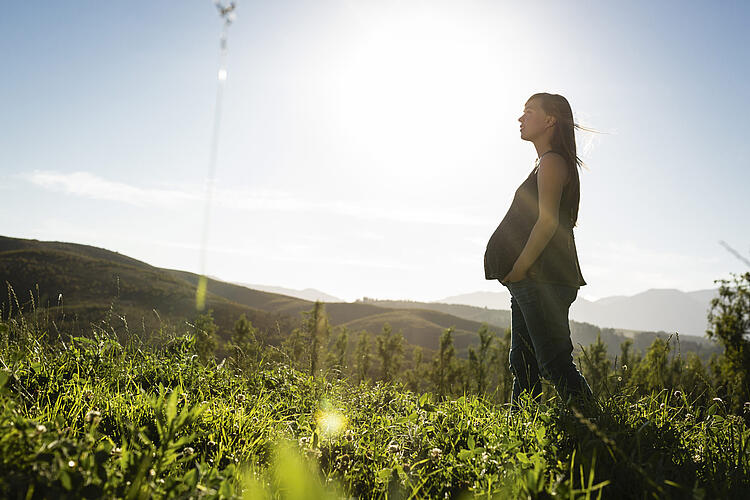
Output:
(551, 178)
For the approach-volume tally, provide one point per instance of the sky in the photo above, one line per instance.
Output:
(370, 148)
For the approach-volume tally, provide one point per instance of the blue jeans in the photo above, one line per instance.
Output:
(540, 340)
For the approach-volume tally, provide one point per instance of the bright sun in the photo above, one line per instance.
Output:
(415, 88)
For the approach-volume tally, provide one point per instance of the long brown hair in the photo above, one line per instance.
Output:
(564, 139)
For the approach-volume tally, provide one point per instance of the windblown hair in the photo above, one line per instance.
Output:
(564, 139)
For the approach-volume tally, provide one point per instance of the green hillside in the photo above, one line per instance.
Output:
(93, 280)
(499, 317)
(418, 327)
(81, 284)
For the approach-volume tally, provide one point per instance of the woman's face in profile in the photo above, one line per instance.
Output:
(533, 120)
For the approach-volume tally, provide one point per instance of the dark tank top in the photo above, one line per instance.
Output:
(558, 262)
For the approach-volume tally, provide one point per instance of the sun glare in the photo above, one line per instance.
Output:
(415, 88)
(330, 422)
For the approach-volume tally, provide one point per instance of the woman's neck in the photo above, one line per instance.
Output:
(542, 147)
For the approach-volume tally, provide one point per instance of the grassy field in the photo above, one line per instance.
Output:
(88, 418)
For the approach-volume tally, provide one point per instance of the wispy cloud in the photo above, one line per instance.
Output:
(88, 185)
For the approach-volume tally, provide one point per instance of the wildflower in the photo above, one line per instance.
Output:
(393, 448)
(189, 450)
(304, 441)
(93, 415)
(677, 394)
(151, 472)
(116, 451)
(240, 398)
(436, 453)
(71, 463)
(625, 367)
(661, 406)
(619, 379)
(41, 428)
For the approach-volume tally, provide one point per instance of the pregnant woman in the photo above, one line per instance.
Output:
(532, 253)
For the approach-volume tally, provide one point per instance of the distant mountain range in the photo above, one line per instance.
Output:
(656, 309)
(306, 294)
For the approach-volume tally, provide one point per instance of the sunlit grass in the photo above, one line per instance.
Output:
(144, 421)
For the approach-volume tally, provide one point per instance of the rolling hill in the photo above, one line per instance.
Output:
(81, 284)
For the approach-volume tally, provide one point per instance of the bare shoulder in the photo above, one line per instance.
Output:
(553, 166)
